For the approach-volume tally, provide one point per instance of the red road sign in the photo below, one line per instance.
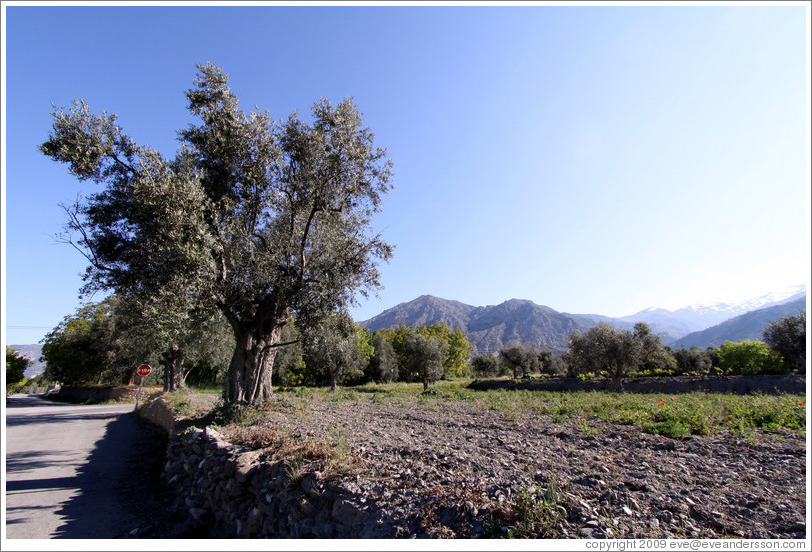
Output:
(144, 370)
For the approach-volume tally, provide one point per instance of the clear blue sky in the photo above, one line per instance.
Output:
(592, 159)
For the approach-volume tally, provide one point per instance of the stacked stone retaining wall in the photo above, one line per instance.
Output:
(119, 393)
(240, 494)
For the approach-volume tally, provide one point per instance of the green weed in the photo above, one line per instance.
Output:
(181, 402)
(295, 471)
(537, 512)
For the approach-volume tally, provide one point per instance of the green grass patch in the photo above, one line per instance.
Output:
(181, 402)
(206, 390)
(678, 415)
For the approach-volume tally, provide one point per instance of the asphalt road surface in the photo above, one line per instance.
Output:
(78, 471)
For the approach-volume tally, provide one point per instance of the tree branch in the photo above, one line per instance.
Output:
(302, 258)
(275, 345)
(125, 165)
(86, 251)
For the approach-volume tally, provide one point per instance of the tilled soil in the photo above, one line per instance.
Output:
(450, 469)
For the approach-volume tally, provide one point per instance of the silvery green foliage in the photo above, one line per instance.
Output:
(604, 349)
(332, 347)
(384, 359)
(788, 337)
(425, 357)
(520, 359)
(256, 217)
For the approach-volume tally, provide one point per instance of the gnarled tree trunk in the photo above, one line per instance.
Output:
(173, 361)
(251, 370)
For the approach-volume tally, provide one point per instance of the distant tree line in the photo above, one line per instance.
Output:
(614, 353)
(339, 352)
(104, 343)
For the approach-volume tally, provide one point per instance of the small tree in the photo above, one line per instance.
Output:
(788, 338)
(15, 366)
(749, 358)
(425, 357)
(81, 348)
(486, 365)
(384, 362)
(360, 372)
(604, 348)
(332, 346)
(654, 357)
(693, 361)
(713, 355)
(458, 348)
(521, 360)
(289, 368)
(551, 364)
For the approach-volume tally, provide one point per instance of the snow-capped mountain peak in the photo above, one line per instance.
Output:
(745, 305)
(700, 316)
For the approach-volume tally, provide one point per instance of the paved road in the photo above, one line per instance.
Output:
(67, 469)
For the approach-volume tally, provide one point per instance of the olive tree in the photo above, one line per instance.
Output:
(384, 362)
(693, 361)
(332, 347)
(425, 357)
(654, 357)
(520, 359)
(164, 328)
(604, 348)
(262, 219)
(486, 365)
(551, 364)
(788, 337)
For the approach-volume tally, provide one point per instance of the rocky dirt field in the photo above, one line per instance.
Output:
(435, 468)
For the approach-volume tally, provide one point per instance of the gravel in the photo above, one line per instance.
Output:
(436, 468)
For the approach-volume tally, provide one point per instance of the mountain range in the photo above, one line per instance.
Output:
(492, 327)
(32, 353)
(746, 326)
(674, 324)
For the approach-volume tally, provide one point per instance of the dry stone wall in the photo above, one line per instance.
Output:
(237, 493)
(102, 393)
(741, 385)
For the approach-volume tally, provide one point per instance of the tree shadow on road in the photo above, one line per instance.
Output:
(120, 494)
(18, 462)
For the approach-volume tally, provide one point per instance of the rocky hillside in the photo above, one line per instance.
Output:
(33, 353)
(492, 327)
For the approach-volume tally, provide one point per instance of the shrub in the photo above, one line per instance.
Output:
(749, 358)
